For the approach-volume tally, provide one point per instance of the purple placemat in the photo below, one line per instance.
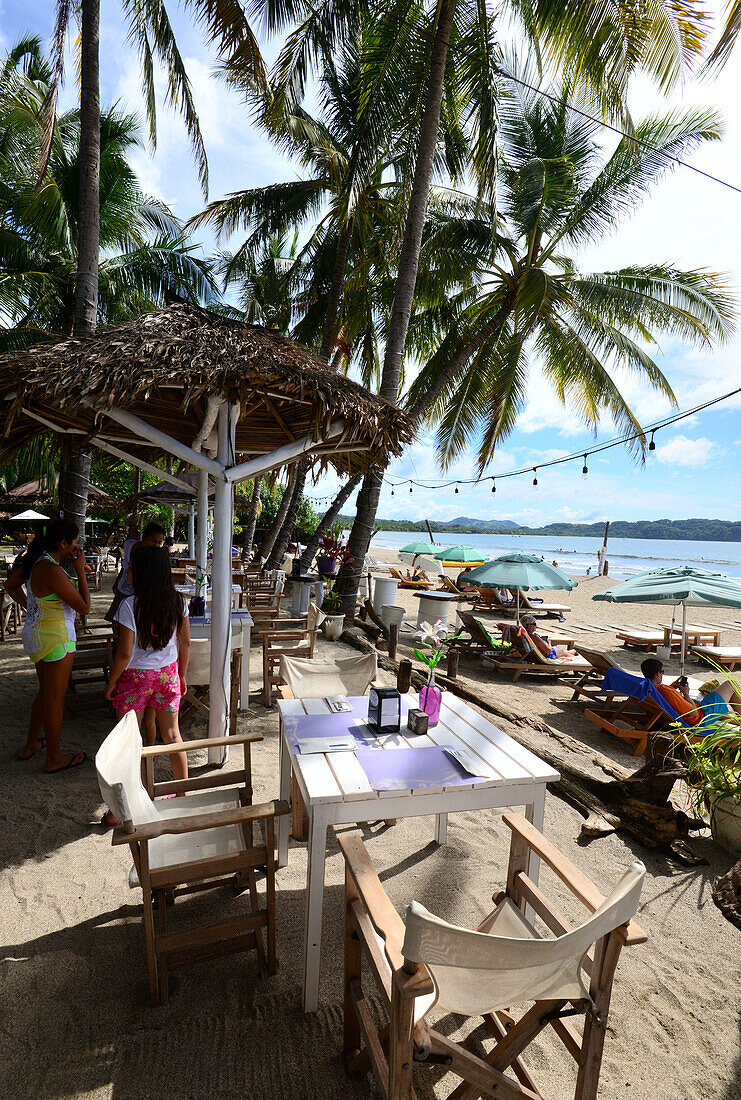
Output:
(412, 769)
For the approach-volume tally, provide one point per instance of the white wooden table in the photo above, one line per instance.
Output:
(336, 791)
(241, 620)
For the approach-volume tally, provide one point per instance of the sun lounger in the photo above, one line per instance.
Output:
(642, 639)
(404, 582)
(532, 603)
(590, 684)
(537, 664)
(446, 585)
(479, 639)
(638, 715)
(487, 600)
(727, 655)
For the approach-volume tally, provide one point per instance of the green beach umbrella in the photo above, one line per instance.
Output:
(458, 554)
(521, 572)
(682, 586)
(418, 548)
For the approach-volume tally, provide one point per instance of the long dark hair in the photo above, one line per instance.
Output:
(158, 608)
(61, 530)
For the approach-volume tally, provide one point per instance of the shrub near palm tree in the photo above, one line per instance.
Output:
(556, 194)
(145, 256)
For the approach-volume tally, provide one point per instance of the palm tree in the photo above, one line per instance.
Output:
(146, 257)
(601, 44)
(532, 301)
(150, 27)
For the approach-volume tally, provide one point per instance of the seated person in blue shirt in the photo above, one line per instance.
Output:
(717, 699)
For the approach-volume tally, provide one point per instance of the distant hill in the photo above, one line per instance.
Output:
(683, 530)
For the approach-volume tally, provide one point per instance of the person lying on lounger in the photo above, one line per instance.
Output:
(417, 574)
(462, 584)
(525, 638)
(677, 694)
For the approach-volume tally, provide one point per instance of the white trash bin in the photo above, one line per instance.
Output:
(392, 615)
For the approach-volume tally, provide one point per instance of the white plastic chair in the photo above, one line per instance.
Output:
(179, 845)
(505, 962)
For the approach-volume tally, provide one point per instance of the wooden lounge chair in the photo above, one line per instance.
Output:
(184, 845)
(446, 585)
(590, 684)
(727, 655)
(632, 720)
(538, 665)
(488, 600)
(535, 606)
(404, 582)
(425, 963)
(479, 639)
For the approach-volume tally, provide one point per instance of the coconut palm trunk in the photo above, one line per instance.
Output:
(327, 520)
(75, 481)
(289, 520)
(248, 535)
(273, 531)
(406, 279)
(335, 293)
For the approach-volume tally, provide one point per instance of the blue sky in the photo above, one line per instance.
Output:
(690, 221)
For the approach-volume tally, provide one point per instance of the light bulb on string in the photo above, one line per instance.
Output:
(585, 468)
(392, 492)
(493, 486)
(535, 479)
(652, 444)
(410, 488)
(456, 488)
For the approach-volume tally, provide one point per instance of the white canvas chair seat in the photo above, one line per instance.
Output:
(200, 841)
(507, 962)
(430, 962)
(315, 679)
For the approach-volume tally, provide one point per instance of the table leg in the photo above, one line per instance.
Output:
(244, 695)
(534, 813)
(441, 829)
(285, 794)
(318, 823)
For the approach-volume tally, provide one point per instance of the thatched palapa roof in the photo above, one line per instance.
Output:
(37, 493)
(166, 365)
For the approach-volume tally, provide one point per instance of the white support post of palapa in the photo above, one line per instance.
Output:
(202, 534)
(192, 529)
(221, 588)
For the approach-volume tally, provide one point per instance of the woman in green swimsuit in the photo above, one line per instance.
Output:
(51, 600)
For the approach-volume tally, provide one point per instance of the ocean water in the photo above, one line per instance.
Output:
(625, 556)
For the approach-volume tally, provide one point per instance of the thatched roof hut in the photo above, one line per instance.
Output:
(37, 494)
(168, 365)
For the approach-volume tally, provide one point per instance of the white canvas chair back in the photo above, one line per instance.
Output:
(315, 679)
(479, 972)
(199, 664)
(315, 617)
(280, 580)
(118, 764)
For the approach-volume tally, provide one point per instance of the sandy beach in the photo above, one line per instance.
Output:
(76, 1021)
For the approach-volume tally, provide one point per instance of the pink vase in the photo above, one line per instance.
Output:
(430, 698)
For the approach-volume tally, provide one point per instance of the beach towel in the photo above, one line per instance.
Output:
(638, 688)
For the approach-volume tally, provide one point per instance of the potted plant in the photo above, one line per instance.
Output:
(433, 639)
(331, 552)
(335, 620)
(714, 777)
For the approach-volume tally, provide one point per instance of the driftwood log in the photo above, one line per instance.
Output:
(608, 795)
(727, 894)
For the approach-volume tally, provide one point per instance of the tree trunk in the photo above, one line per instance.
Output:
(76, 480)
(274, 530)
(248, 535)
(327, 520)
(360, 537)
(406, 278)
(362, 530)
(335, 293)
(289, 520)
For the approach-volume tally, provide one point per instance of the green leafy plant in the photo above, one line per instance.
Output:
(713, 759)
(332, 603)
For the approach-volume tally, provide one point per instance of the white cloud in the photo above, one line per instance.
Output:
(682, 451)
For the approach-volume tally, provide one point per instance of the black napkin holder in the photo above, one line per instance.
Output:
(384, 710)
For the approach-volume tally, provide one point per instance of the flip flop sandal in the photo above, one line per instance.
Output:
(77, 759)
(42, 745)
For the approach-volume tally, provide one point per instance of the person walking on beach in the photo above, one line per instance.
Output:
(154, 535)
(149, 669)
(51, 600)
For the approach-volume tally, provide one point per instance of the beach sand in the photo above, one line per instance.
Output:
(76, 1021)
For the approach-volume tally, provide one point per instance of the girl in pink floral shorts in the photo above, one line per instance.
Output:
(148, 673)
